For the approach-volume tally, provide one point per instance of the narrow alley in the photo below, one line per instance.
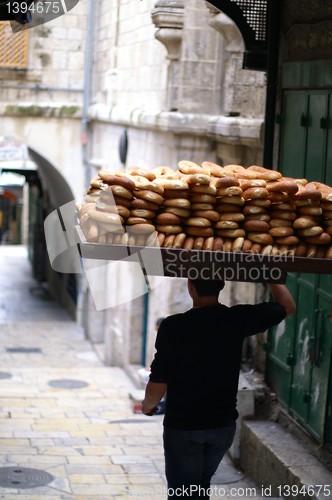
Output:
(67, 427)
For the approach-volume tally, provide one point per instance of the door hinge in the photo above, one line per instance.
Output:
(304, 120)
(306, 397)
(290, 359)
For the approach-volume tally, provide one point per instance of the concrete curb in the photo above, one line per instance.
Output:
(275, 460)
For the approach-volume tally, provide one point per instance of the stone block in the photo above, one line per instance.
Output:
(246, 408)
(76, 34)
(198, 74)
(272, 458)
(59, 33)
(75, 61)
(59, 59)
(70, 20)
(195, 100)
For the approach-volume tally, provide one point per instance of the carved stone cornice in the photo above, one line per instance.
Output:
(227, 28)
(168, 16)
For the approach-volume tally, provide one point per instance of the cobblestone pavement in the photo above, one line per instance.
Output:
(87, 438)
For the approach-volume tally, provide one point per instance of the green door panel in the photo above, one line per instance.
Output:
(300, 388)
(325, 284)
(328, 166)
(299, 356)
(328, 424)
(307, 278)
(280, 350)
(321, 351)
(280, 343)
(293, 134)
(316, 135)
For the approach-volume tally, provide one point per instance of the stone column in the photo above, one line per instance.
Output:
(167, 16)
(231, 56)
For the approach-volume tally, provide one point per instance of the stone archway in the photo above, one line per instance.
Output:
(45, 190)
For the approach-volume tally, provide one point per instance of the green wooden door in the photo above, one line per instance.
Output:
(300, 350)
(320, 359)
(302, 368)
(293, 134)
(281, 351)
(328, 424)
(315, 127)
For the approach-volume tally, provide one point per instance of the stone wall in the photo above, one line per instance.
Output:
(170, 73)
(42, 105)
(129, 63)
(306, 31)
(55, 62)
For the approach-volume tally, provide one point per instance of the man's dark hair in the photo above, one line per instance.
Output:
(204, 288)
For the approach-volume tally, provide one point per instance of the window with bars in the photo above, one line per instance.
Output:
(254, 20)
(255, 14)
(13, 47)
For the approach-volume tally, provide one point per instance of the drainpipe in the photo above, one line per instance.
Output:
(86, 133)
(82, 309)
(145, 327)
(272, 81)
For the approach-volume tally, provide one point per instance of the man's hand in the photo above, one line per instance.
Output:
(283, 297)
(148, 411)
(154, 393)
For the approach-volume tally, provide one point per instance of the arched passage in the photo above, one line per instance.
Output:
(44, 190)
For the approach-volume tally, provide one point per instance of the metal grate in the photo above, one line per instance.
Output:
(13, 47)
(255, 12)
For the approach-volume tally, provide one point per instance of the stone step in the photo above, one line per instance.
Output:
(274, 459)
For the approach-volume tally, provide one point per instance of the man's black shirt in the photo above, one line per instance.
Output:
(198, 355)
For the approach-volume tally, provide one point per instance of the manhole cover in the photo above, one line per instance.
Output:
(4, 375)
(22, 477)
(68, 384)
(24, 350)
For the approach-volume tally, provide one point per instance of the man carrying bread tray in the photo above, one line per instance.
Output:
(197, 361)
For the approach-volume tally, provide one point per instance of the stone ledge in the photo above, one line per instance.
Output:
(42, 110)
(246, 408)
(231, 129)
(272, 457)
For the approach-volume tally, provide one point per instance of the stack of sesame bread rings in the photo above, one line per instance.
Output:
(209, 207)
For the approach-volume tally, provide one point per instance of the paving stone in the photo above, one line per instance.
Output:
(88, 479)
(89, 460)
(98, 489)
(109, 469)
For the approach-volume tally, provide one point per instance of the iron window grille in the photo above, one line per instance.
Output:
(252, 19)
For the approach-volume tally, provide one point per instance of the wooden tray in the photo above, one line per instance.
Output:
(231, 266)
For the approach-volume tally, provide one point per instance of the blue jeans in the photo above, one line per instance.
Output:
(192, 457)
